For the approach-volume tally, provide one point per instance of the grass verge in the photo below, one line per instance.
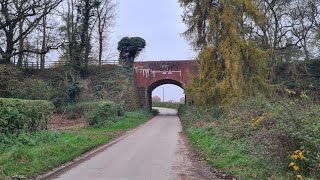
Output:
(230, 156)
(217, 143)
(29, 154)
(258, 138)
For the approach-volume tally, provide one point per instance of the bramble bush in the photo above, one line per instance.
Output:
(32, 89)
(15, 84)
(24, 115)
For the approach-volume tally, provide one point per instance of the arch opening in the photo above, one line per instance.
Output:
(166, 90)
(163, 82)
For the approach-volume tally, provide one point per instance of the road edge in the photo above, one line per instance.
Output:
(55, 172)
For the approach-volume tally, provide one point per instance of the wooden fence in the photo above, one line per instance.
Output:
(52, 64)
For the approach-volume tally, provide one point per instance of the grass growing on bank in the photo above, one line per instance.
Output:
(131, 120)
(230, 156)
(256, 138)
(30, 154)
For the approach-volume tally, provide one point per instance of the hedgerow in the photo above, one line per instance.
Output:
(97, 113)
(104, 113)
(24, 115)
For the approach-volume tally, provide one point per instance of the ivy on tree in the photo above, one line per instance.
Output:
(231, 66)
(130, 48)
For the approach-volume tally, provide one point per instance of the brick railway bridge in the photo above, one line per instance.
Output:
(151, 74)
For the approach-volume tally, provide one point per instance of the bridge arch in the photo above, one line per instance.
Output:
(163, 82)
(151, 74)
(156, 84)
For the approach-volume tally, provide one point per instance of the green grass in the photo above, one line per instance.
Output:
(230, 156)
(28, 155)
(131, 120)
(254, 138)
(166, 105)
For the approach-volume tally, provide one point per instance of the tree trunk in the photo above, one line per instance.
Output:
(86, 38)
(100, 29)
(9, 46)
(100, 49)
(70, 30)
(44, 45)
(21, 44)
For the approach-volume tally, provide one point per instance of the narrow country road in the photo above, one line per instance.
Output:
(155, 151)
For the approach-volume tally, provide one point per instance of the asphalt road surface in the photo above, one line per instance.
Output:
(156, 150)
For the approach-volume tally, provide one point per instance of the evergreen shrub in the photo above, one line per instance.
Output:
(24, 115)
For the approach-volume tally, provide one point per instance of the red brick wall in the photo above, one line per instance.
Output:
(167, 72)
(151, 74)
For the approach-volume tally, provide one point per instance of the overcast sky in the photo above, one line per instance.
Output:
(159, 22)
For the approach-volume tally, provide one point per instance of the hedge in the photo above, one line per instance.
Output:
(97, 113)
(24, 115)
(79, 108)
(104, 113)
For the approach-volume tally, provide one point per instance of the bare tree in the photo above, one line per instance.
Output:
(21, 16)
(288, 24)
(85, 20)
(105, 19)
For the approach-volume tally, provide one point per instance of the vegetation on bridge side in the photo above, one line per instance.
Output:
(64, 86)
(102, 102)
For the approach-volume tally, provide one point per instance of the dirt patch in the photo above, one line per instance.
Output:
(67, 121)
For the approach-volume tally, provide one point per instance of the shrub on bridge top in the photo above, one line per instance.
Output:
(24, 115)
(104, 112)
